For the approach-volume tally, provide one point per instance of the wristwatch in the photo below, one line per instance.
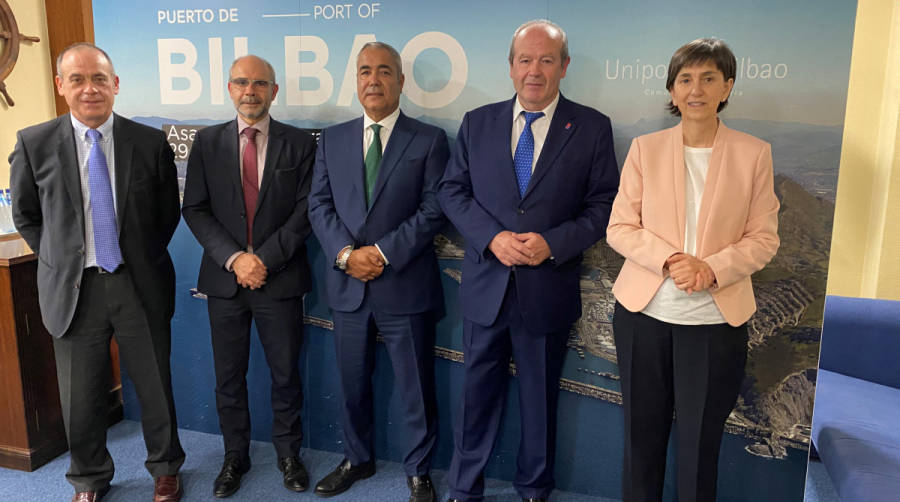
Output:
(343, 256)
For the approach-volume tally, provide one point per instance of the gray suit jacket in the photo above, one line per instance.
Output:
(47, 211)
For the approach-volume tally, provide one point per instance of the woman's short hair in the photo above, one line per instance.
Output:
(698, 52)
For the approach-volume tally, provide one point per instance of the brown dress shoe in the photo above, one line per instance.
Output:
(94, 496)
(167, 489)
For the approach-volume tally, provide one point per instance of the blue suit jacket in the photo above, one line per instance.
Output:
(403, 218)
(568, 201)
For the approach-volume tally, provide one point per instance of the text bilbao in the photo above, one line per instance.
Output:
(181, 79)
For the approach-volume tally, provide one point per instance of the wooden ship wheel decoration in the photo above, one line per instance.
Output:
(9, 39)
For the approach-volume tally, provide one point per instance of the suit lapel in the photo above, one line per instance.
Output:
(561, 128)
(678, 175)
(400, 138)
(124, 151)
(273, 154)
(353, 169)
(716, 159)
(71, 171)
(500, 133)
(229, 145)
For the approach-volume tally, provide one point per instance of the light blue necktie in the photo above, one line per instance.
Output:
(103, 211)
(525, 152)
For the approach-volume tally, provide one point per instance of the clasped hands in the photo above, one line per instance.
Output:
(519, 249)
(249, 271)
(365, 263)
(690, 273)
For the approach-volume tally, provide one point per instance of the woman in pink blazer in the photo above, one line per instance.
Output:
(695, 216)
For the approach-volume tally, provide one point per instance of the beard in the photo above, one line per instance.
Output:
(260, 110)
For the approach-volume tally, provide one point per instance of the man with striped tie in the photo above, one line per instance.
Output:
(529, 185)
(95, 195)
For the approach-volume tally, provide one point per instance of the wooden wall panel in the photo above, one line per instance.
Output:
(68, 21)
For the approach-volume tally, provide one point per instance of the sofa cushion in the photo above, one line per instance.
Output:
(856, 431)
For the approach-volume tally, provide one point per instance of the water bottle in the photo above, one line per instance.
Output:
(8, 196)
(6, 224)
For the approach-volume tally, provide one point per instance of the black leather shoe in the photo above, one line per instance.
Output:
(295, 476)
(342, 478)
(229, 479)
(421, 489)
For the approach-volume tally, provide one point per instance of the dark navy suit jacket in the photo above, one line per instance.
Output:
(567, 201)
(403, 218)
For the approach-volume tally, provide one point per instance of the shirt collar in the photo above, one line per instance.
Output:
(548, 111)
(82, 129)
(386, 123)
(262, 126)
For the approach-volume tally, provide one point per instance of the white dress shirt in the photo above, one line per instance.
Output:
(83, 148)
(539, 128)
(387, 127)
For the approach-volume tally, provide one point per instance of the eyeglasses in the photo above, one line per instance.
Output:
(243, 83)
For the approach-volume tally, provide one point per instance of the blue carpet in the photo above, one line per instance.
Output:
(132, 483)
(818, 484)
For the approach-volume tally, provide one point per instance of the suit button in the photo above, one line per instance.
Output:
(76, 285)
(81, 251)
(521, 211)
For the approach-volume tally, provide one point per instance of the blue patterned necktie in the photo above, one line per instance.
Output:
(525, 152)
(103, 211)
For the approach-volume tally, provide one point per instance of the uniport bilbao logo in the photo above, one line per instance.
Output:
(189, 66)
(652, 75)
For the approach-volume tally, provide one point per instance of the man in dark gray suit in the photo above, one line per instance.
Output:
(245, 201)
(95, 195)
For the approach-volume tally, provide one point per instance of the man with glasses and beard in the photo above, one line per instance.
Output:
(245, 200)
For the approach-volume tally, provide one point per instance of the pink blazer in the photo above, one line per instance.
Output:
(737, 228)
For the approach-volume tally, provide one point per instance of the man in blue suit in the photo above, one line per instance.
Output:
(530, 186)
(373, 206)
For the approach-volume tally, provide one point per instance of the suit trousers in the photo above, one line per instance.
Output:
(409, 340)
(279, 325)
(538, 358)
(108, 305)
(695, 370)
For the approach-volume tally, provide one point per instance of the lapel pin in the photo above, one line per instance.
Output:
(568, 125)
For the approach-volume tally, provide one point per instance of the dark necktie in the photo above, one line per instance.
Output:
(103, 211)
(525, 152)
(373, 162)
(251, 180)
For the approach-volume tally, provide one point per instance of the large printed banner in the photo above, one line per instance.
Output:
(793, 65)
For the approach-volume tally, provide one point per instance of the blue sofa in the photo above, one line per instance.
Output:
(856, 419)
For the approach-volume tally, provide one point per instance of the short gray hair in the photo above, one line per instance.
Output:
(81, 45)
(398, 61)
(268, 65)
(550, 27)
